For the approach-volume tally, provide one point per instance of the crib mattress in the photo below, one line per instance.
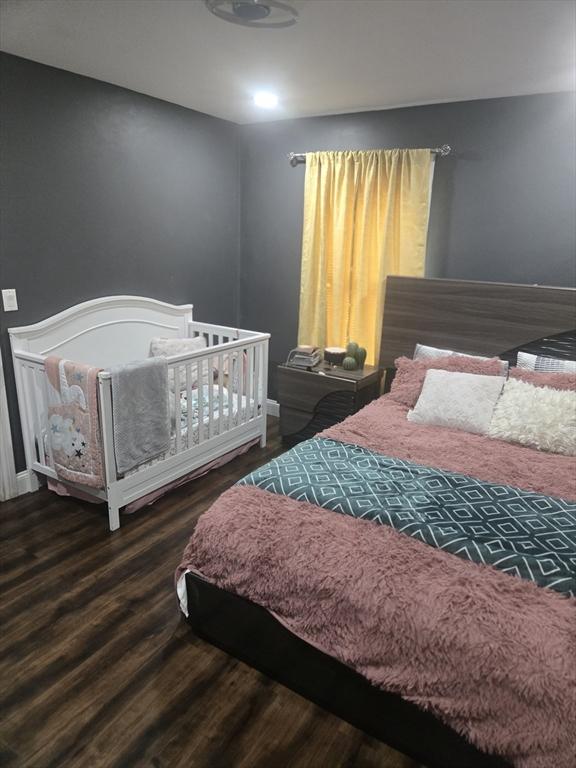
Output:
(230, 417)
(233, 413)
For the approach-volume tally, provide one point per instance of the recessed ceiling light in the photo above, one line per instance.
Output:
(265, 99)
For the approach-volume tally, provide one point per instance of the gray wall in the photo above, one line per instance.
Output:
(503, 204)
(106, 191)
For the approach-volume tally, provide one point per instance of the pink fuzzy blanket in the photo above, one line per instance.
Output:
(492, 655)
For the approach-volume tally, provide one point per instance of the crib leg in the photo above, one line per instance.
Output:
(263, 439)
(33, 483)
(113, 516)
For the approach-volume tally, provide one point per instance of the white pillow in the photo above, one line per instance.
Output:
(422, 352)
(529, 362)
(540, 417)
(163, 347)
(457, 400)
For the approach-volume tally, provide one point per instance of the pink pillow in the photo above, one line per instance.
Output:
(545, 379)
(410, 374)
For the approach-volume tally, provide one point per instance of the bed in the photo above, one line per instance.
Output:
(210, 424)
(457, 649)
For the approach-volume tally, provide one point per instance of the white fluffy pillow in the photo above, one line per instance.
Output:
(457, 400)
(540, 417)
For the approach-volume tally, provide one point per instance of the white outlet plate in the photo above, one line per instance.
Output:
(9, 299)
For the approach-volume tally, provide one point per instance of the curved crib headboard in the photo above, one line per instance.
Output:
(104, 331)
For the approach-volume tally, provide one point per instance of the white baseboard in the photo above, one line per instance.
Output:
(273, 407)
(23, 482)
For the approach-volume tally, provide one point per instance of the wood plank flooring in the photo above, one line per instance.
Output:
(98, 669)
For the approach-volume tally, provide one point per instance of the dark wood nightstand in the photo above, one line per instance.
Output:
(311, 401)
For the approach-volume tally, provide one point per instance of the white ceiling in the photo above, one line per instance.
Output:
(342, 55)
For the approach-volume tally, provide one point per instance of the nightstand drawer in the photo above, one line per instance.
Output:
(302, 389)
(331, 409)
(311, 402)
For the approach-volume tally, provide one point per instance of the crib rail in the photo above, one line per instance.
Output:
(217, 389)
(32, 387)
(214, 334)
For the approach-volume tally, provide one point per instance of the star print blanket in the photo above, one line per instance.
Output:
(73, 423)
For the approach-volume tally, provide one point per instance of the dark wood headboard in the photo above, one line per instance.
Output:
(468, 316)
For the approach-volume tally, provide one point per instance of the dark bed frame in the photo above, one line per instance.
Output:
(251, 634)
(479, 318)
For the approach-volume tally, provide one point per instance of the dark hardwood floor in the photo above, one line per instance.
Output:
(99, 670)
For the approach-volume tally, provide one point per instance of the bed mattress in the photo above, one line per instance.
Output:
(490, 652)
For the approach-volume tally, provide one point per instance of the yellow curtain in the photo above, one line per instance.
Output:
(365, 217)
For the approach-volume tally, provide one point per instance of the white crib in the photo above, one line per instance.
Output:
(118, 329)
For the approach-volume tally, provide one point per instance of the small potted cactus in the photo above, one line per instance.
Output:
(361, 356)
(355, 357)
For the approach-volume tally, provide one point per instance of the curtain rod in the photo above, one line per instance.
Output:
(296, 158)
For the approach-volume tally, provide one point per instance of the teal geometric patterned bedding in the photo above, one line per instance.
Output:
(525, 534)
